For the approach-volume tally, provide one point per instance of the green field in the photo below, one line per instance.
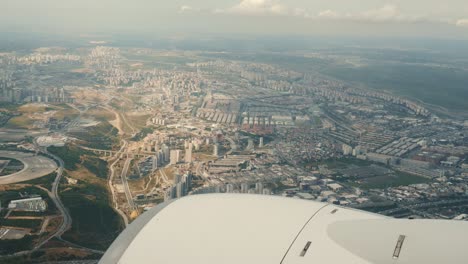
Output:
(143, 133)
(377, 180)
(11, 246)
(95, 223)
(73, 156)
(96, 166)
(34, 224)
(340, 163)
(386, 181)
(13, 166)
(439, 79)
(446, 87)
(45, 181)
(102, 136)
(19, 122)
(70, 154)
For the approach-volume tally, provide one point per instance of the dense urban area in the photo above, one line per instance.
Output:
(94, 136)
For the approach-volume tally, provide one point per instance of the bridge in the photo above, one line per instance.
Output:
(127, 154)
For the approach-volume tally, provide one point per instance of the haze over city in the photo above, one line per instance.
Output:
(182, 131)
(448, 19)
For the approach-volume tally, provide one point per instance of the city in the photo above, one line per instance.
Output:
(148, 134)
(99, 128)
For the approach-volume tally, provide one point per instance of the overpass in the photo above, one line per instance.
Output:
(127, 154)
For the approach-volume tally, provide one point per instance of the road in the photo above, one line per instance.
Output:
(123, 176)
(54, 195)
(140, 153)
(121, 120)
(111, 179)
(124, 118)
(35, 166)
(164, 176)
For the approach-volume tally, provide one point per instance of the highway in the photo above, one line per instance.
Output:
(35, 166)
(128, 193)
(164, 176)
(54, 195)
(141, 153)
(111, 179)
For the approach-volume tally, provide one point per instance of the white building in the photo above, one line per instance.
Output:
(175, 156)
(188, 152)
(36, 204)
(347, 150)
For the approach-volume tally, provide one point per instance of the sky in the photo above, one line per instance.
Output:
(389, 18)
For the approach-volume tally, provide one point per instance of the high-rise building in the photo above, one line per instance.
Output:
(244, 188)
(216, 150)
(259, 187)
(160, 157)
(180, 190)
(17, 95)
(229, 188)
(167, 195)
(155, 163)
(166, 152)
(180, 187)
(174, 156)
(177, 178)
(188, 152)
(171, 193)
(188, 181)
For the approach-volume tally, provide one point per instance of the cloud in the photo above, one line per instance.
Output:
(329, 14)
(263, 7)
(387, 13)
(258, 7)
(462, 22)
(187, 9)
